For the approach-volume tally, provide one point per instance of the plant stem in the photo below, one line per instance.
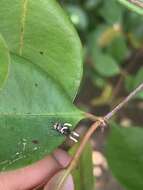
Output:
(134, 5)
(125, 101)
(78, 154)
(137, 2)
(98, 122)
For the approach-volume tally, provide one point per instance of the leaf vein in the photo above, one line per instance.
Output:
(22, 27)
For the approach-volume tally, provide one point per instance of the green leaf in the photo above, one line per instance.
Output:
(103, 63)
(132, 25)
(118, 49)
(30, 103)
(124, 151)
(136, 6)
(83, 174)
(129, 83)
(41, 32)
(138, 80)
(78, 16)
(44, 77)
(4, 61)
(132, 82)
(91, 4)
(106, 65)
(111, 11)
(97, 80)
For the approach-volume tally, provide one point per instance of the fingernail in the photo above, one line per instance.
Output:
(62, 157)
(53, 183)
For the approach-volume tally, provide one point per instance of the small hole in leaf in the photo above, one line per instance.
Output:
(35, 142)
(41, 52)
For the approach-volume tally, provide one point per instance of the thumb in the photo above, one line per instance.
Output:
(35, 174)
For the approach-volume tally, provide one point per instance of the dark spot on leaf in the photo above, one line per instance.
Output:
(41, 52)
(35, 142)
(36, 84)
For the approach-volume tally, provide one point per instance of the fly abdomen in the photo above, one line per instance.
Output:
(64, 129)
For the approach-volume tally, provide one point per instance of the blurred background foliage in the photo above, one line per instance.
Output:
(112, 38)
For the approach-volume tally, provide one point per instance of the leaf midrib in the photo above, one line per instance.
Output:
(22, 27)
(21, 41)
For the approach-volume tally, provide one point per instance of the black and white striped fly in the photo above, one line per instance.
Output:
(64, 129)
